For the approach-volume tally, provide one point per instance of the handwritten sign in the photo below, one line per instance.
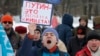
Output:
(35, 12)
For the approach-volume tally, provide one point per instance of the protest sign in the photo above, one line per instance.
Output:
(36, 12)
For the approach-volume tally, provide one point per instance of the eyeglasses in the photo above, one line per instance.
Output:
(5, 22)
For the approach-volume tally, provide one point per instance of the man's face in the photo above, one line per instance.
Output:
(37, 35)
(93, 44)
(82, 23)
(7, 25)
(49, 40)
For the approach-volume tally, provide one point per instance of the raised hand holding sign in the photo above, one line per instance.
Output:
(31, 28)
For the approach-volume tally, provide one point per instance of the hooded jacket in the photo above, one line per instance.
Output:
(65, 29)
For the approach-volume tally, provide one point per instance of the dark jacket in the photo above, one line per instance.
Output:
(65, 29)
(14, 39)
(45, 52)
(27, 46)
(37, 43)
(97, 28)
(28, 50)
(75, 45)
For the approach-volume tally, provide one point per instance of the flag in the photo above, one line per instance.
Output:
(5, 45)
(54, 1)
(54, 21)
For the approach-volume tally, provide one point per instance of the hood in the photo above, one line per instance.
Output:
(67, 20)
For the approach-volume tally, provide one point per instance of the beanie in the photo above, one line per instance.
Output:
(93, 35)
(51, 30)
(38, 28)
(6, 18)
(21, 29)
(81, 30)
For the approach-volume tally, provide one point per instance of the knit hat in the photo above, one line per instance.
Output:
(21, 29)
(84, 17)
(93, 35)
(38, 28)
(96, 20)
(6, 18)
(51, 30)
(81, 30)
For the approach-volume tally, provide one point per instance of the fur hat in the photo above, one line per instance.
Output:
(51, 30)
(6, 18)
(93, 35)
(81, 30)
(21, 29)
(84, 17)
(96, 20)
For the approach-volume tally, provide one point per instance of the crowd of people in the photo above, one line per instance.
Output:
(63, 40)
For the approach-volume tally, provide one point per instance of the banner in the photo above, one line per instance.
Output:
(54, 1)
(5, 46)
(36, 12)
(54, 21)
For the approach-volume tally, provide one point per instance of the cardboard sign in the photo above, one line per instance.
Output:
(5, 45)
(35, 12)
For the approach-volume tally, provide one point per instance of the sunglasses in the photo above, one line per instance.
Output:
(5, 22)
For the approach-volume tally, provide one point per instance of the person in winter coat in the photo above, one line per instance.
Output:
(7, 22)
(49, 41)
(65, 29)
(37, 38)
(22, 31)
(35, 42)
(92, 48)
(96, 24)
(83, 21)
(77, 42)
(60, 45)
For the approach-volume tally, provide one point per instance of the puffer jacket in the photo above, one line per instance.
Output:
(84, 52)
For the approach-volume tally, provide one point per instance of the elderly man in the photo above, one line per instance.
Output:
(92, 48)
